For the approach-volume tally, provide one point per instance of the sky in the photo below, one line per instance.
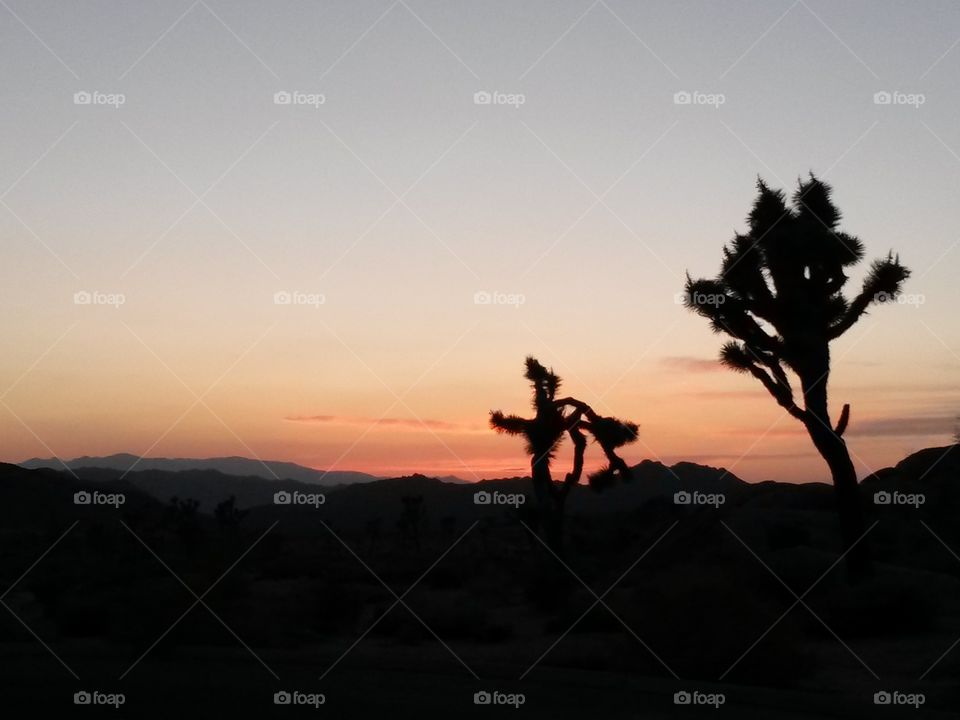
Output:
(330, 232)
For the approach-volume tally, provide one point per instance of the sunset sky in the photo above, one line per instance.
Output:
(576, 199)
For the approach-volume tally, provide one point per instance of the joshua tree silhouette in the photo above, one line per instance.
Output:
(228, 515)
(779, 295)
(544, 433)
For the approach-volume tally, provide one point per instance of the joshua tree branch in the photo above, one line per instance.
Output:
(857, 308)
(581, 408)
(843, 421)
(762, 301)
(510, 424)
(747, 328)
(783, 395)
(617, 463)
(579, 446)
(779, 376)
(883, 282)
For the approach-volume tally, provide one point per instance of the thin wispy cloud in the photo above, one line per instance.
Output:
(929, 426)
(923, 426)
(411, 424)
(725, 394)
(687, 363)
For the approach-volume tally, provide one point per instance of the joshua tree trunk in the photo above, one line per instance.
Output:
(832, 447)
(549, 503)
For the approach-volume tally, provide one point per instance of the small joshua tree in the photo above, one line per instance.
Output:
(545, 431)
(780, 297)
(228, 515)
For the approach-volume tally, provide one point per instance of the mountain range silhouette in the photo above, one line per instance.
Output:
(241, 466)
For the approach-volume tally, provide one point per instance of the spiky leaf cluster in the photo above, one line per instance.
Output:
(780, 291)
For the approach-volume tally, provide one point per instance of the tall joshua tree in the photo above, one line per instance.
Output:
(780, 297)
(544, 432)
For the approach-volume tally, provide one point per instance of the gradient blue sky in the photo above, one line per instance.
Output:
(399, 198)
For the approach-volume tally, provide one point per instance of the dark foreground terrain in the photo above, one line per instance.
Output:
(404, 598)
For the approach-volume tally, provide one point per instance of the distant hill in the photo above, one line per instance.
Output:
(237, 466)
(42, 498)
(935, 471)
(356, 501)
(208, 487)
(453, 479)
(938, 466)
(356, 504)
